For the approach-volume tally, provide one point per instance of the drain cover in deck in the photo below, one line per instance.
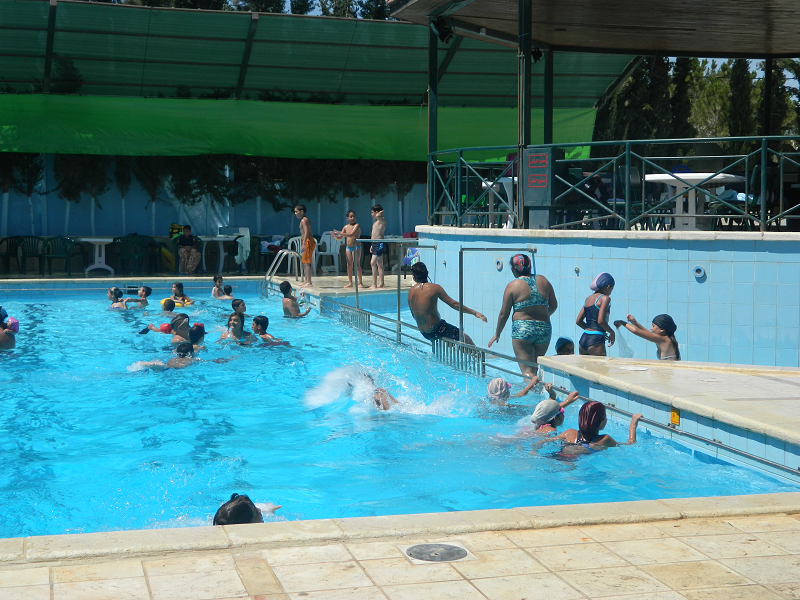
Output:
(436, 552)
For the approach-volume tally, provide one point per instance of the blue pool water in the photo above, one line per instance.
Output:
(89, 446)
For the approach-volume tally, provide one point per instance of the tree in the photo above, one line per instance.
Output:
(122, 180)
(681, 101)
(70, 182)
(301, 7)
(338, 8)
(262, 6)
(780, 100)
(741, 117)
(201, 4)
(66, 78)
(711, 99)
(373, 9)
(8, 161)
(30, 170)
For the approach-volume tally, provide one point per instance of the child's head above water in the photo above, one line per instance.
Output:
(547, 412)
(168, 305)
(114, 294)
(196, 333)
(227, 290)
(261, 323)
(237, 511)
(177, 289)
(238, 306)
(184, 350)
(498, 389)
(218, 279)
(565, 346)
(286, 288)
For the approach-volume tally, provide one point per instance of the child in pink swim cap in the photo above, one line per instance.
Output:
(9, 327)
(12, 324)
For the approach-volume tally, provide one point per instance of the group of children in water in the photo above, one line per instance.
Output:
(188, 339)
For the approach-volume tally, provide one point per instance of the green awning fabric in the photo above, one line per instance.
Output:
(104, 49)
(161, 127)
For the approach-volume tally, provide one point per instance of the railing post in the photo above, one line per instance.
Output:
(355, 256)
(458, 190)
(461, 294)
(627, 186)
(399, 271)
(762, 225)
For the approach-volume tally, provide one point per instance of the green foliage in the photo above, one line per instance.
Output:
(681, 102)
(65, 77)
(67, 171)
(779, 117)
(8, 161)
(30, 172)
(122, 174)
(301, 7)
(262, 6)
(201, 4)
(372, 9)
(338, 8)
(151, 172)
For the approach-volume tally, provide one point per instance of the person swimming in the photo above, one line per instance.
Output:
(114, 294)
(240, 509)
(661, 333)
(548, 415)
(499, 390)
(587, 438)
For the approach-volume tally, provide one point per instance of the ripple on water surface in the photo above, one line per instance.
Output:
(90, 446)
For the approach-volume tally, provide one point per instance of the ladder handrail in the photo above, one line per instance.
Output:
(273, 268)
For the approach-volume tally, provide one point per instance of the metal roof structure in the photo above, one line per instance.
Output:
(99, 49)
(745, 28)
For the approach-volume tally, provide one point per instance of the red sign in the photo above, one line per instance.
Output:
(537, 161)
(537, 181)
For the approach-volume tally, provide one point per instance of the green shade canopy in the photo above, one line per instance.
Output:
(313, 86)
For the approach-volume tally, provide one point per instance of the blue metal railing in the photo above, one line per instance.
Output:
(626, 185)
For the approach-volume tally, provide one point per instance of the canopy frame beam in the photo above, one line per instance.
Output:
(248, 48)
(51, 35)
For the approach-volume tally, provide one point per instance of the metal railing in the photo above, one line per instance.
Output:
(639, 184)
(266, 284)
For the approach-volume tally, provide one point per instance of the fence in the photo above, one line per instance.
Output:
(705, 183)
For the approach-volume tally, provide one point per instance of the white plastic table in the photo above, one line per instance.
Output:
(99, 244)
(681, 220)
(220, 239)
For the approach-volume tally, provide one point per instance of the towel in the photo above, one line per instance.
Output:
(244, 249)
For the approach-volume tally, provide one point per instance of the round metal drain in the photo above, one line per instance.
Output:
(436, 552)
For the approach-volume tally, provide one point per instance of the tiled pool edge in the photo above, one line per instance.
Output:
(144, 542)
(707, 431)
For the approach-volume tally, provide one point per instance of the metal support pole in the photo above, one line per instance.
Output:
(459, 203)
(627, 187)
(461, 294)
(762, 225)
(248, 47)
(433, 123)
(548, 97)
(48, 57)
(399, 272)
(356, 266)
(766, 125)
(524, 16)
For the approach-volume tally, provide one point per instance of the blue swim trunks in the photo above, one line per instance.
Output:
(378, 248)
(536, 332)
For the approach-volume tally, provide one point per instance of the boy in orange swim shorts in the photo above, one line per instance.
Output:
(307, 242)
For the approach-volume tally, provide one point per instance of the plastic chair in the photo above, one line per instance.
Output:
(152, 251)
(332, 246)
(294, 246)
(752, 202)
(59, 247)
(5, 256)
(29, 246)
(130, 254)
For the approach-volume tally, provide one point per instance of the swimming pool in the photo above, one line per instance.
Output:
(89, 446)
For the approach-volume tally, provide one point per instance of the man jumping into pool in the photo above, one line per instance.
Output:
(423, 300)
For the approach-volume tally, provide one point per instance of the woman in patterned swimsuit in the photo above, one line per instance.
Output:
(533, 301)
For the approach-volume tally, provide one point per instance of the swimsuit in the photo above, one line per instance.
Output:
(308, 250)
(349, 249)
(535, 332)
(378, 248)
(442, 329)
(589, 337)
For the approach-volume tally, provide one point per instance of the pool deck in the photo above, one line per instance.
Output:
(727, 548)
(763, 400)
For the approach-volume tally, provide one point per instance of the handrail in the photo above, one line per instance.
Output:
(266, 287)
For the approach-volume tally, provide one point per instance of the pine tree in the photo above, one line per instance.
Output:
(681, 102)
(373, 9)
(261, 6)
(301, 7)
(338, 8)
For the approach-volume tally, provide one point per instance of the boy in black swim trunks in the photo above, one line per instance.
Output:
(378, 248)
(423, 298)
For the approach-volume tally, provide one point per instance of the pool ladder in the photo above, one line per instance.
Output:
(266, 285)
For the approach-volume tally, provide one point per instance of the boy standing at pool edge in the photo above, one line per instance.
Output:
(378, 248)
(350, 232)
(307, 243)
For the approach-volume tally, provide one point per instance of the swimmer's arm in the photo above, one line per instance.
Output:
(602, 319)
(442, 295)
(570, 399)
(581, 320)
(502, 318)
(636, 329)
(631, 430)
(524, 391)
